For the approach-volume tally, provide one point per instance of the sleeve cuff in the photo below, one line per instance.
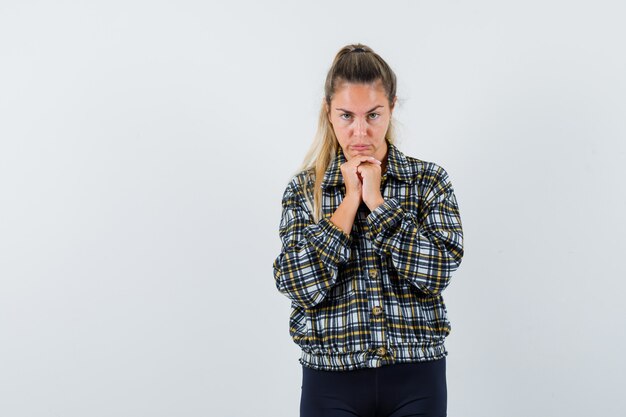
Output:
(329, 240)
(385, 216)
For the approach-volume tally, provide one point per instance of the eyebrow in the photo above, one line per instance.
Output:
(369, 111)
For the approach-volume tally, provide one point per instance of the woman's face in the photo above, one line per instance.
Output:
(360, 115)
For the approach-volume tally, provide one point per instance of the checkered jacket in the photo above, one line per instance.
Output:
(373, 297)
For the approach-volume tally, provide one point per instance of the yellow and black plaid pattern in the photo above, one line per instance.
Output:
(372, 297)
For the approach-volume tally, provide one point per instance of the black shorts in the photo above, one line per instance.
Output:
(402, 389)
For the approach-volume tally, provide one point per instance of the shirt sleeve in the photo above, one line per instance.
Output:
(311, 254)
(426, 250)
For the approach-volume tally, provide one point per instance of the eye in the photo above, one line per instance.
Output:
(374, 114)
(344, 114)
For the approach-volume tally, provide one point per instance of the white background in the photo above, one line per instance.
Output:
(145, 146)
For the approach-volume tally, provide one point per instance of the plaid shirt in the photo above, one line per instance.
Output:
(372, 297)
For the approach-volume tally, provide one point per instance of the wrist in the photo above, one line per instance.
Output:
(352, 199)
(377, 202)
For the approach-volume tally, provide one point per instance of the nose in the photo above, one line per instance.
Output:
(360, 127)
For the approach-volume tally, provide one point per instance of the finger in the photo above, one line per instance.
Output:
(368, 164)
(365, 158)
(371, 159)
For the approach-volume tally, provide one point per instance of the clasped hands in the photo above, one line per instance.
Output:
(362, 176)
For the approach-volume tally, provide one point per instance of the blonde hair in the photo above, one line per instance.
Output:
(362, 66)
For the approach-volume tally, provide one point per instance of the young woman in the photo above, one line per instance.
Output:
(370, 238)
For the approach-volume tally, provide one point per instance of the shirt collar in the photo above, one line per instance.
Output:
(397, 166)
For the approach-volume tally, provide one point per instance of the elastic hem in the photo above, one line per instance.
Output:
(345, 361)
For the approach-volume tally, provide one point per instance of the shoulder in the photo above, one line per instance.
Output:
(427, 174)
(298, 185)
(430, 179)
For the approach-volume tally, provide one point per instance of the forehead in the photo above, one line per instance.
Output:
(359, 96)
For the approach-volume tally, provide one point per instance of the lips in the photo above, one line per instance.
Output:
(359, 147)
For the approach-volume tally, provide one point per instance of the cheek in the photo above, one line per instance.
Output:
(342, 129)
(381, 124)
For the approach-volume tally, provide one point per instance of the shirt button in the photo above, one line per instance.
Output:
(381, 351)
(373, 273)
(377, 310)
